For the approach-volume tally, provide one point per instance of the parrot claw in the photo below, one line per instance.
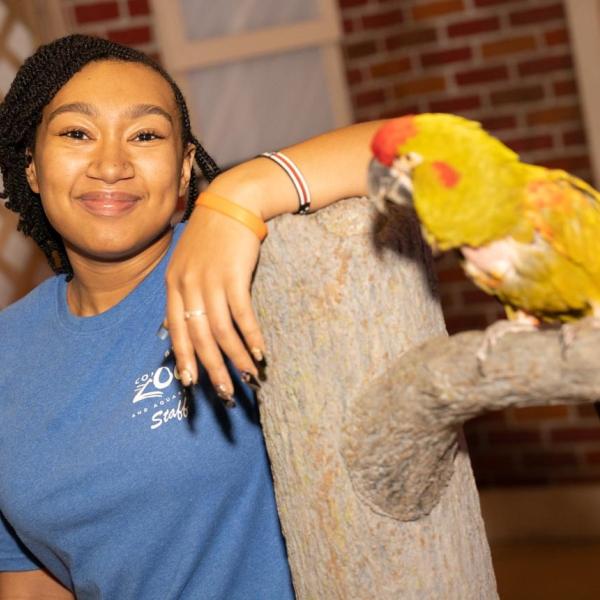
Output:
(495, 332)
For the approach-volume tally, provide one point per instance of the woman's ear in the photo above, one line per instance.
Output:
(186, 169)
(31, 173)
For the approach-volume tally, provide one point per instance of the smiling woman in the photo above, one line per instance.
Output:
(122, 475)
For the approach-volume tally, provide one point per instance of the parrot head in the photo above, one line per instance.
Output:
(456, 176)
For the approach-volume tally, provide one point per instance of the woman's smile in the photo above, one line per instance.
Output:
(109, 203)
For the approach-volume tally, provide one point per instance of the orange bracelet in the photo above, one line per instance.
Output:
(235, 211)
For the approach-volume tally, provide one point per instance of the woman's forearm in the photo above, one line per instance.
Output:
(334, 165)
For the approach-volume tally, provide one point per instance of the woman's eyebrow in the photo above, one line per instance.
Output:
(139, 110)
(133, 112)
(80, 107)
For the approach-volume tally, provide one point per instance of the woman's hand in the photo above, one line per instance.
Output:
(209, 308)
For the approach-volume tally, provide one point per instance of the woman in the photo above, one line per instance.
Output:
(121, 474)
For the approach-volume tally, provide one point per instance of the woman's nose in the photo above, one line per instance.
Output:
(110, 162)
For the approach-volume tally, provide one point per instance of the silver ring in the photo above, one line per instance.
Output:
(191, 314)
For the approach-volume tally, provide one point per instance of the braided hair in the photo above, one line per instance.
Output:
(38, 80)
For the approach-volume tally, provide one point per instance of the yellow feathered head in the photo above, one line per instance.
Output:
(462, 182)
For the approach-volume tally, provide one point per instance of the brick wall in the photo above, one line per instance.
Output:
(506, 63)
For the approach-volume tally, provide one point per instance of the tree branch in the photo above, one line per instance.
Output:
(400, 436)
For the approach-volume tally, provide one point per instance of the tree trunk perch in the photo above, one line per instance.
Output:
(340, 296)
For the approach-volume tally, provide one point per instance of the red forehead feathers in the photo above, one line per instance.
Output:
(390, 136)
(447, 174)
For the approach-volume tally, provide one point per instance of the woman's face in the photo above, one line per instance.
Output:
(108, 160)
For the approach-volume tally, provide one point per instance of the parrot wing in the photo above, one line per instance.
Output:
(565, 212)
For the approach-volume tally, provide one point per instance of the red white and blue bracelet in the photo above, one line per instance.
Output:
(296, 176)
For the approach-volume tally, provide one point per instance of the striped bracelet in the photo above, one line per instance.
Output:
(297, 179)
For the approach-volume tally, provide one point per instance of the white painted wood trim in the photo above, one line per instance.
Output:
(541, 513)
(583, 17)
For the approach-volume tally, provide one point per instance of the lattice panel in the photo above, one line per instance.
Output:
(21, 264)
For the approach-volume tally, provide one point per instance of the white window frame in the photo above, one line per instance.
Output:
(181, 56)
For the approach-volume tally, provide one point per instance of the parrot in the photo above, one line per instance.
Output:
(526, 234)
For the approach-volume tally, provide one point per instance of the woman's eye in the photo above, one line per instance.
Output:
(146, 136)
(75, 134)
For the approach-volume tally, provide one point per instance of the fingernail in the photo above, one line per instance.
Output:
(162, 333)
(186, 377)
(250, 380)
(258, 355)
(227, 398)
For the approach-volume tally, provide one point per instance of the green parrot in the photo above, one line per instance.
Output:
(528, 235)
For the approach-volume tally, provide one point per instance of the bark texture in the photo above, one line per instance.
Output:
(341, 295)
(400, 465)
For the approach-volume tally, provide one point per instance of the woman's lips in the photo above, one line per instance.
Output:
(108, 204)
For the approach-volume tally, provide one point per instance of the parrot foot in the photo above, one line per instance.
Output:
(495, 332)
(570, 331)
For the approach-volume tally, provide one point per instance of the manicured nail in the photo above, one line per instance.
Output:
(250, 380)
(258, 355)
(186, 377)
(227, 398)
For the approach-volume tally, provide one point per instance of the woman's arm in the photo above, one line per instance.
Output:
(212, 266)
(31, 585)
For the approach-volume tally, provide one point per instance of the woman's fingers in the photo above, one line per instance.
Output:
(240, 303)
(182, 345)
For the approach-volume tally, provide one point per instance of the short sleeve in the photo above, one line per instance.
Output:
(13, 554)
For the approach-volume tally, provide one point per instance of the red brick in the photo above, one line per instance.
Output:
(477, 76)
(586, 411)
(437, 8)
(592, 458)
(377, 21)
(570, 163)
(549, 459)
(556, 37)
(138, 7)
(456, 323)
(514, 436)
(360, 49)
(422, 85)
(517, 95)
(537, 15)
(349, 3)
(451, 275)
(369, 98)
(574, 138)
(544, 65)
(463, 103)
(565, 88)
(348, 25)
(413, 37)
(446, 56)
(131, 36)
(493, 2)
(473, 26)
(499, 122)
(557, 114)
(353, 76)
(101, 11)
(575, 434)
(534, 142)
(390, 67)
(539, 413)
(506, 46)
(476, 296)
(398, 112)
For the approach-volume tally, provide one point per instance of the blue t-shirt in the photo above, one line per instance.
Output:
(112, 477)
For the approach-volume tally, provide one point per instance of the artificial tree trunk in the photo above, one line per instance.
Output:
(341, 295)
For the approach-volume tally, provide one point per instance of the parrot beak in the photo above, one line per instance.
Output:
(389, 185)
